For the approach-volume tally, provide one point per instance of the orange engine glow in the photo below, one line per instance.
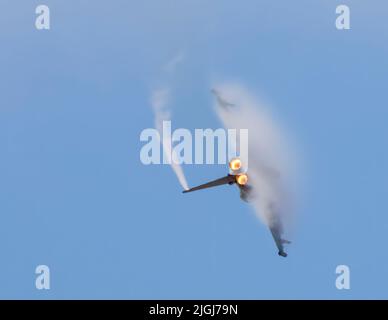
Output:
(242, 179)
(235, 164)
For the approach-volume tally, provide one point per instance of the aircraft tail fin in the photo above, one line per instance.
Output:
(223, 103)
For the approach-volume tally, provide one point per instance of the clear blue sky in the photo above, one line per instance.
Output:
(74, 195)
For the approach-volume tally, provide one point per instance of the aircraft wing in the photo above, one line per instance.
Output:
(229, 179)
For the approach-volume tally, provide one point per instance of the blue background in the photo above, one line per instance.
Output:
(74, 195)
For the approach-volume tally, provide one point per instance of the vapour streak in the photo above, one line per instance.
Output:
(268, 154)
(160, 101)
(171, 65)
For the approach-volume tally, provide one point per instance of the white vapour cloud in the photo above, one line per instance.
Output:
(160, 101)
(268, 153)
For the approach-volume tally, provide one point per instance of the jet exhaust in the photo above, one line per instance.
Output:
(242, 179)
(235, 164)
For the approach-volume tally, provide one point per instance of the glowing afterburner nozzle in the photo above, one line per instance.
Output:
(235, 164)
(242, 179)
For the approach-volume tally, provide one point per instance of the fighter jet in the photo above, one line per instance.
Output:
(247, 193)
